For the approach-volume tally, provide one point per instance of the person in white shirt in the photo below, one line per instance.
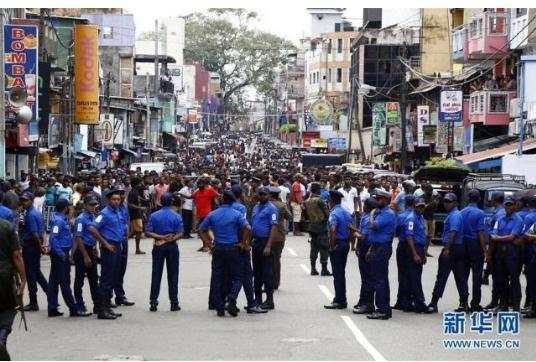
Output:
(187, 207)
(350, 196)
(39, 200)
(285, 191)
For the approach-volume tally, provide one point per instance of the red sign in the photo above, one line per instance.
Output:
(307, 137)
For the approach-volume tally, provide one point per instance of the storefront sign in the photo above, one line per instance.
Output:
(379, 129)
(429, 134)
(307, 137)
(335, 144)
(21, 69)
(319, 143)
(104, 132)
(86, 72)
(392, 113)
(451, 106)
(423, 119)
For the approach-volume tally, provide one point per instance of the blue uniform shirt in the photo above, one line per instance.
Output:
(165, 221)
(497, 214)
(385, 219)
(400, 201)
(125, 218)
(523, 213)
(110, 225)
(225, 222)
(400, 224)
(33, 223)
(472, 222)
(82, 223)
(530, 219)
(364, 229)
(6, 213)
(263, 218)
(508, 225)
(414, 227)
(241, 208)
(61, 237)
(340, 219)
(453, 222)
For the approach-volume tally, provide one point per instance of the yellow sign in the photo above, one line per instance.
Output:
(319, 143)
(322, 110)
(86, 73)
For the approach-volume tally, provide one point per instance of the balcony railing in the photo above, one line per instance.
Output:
(490, 107)
(459, 42)
(488, 35)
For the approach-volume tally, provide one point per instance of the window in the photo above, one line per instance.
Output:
(498, 103)
(367, 115)
(497, 25)
(480, 109)
(337, 27)
(313, 46)
(310, 78)
(520, 12)
(329, 46)
(329, 75)
(107, 32)
(373, 40)
(339, 45)
(339, 75)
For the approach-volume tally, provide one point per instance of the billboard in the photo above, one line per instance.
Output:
(379, 129)
(86, 73)
(319, 143)
(21, 70)
(423, 119)
(307, 137)
(451, 106)
(392, 113)
(104, 132)
(335, 144)
(429, 133)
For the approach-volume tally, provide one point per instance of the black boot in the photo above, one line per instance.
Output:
(31, 307)
(4, 356)
(313, 268)
(462, 308)
(108, 307)
(325, 272)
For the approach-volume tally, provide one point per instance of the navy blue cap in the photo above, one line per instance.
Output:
(371, 202)
(274, 190)
(236, 189)
(114, 191)
(450, 197)
(91, 200)
(474, 193)
(409, 198)
(264, 189)
(228, 195)
(381, 193)
(27, 195)
(166, 199)
(509, 200)
(336, 194)
(62, 203)
(420, 201)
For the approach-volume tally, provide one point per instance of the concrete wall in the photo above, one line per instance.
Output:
(403, 16)
(323, 22)
(435, 42)
(118, 62)
(114, 30)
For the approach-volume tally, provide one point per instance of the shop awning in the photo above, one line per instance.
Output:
(426, 87)
(87, 153)
(496, 152)
(129, 151)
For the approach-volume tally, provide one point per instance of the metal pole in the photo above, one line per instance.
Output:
(403, 151)
(156, 76)
(521, 82)
(2, 103)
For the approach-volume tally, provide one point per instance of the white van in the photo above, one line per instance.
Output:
(148, 166)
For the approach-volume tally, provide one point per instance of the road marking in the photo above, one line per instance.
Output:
(360, 337)
(326, 292)
(292, 252)
(305, 268)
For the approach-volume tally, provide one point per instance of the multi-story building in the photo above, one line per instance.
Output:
(290, 90)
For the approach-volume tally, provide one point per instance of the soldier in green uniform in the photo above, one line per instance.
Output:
(279, 244)
(318, 213)
(11, 267)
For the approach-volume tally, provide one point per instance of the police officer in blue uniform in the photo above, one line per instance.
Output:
(474, 238)
(507, 257)
(452, 257)
(119, 290)
(32, 235)
(365, 304)
(498, 212)
(416, 241)
(340, 222)
(528, 253)
(382, 229)
(108, 230)
(61, 243)
(226, 224)
(530, 257)
(165, 227)
(85, 256)
(5, 212)
(263, 224)
(245, 257)
(403, 257)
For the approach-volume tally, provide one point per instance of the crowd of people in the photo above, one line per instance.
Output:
(242, 196)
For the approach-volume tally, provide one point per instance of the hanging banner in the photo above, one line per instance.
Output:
(21, 70)
(307, 137)
(104, 132)
(442, 140)
(410, 146)
(86, 74)
(429, 134)
(468, 139)
(451, 106)
(423, 119)
(392, 113)
(379, 129)
(54, 132)
(319, 143)
(336, 144)
(459, 140)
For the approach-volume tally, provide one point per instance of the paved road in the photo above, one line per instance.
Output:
(299, 329)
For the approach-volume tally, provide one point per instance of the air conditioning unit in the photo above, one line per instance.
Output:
(515, 110)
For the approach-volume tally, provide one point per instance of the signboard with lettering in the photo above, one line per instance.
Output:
(442, 141)
(392, 113)
(337, 144)
(451, 106)
(319, 143)
(307, 137)
(379, 129)
(86, 72)
(104, 132)
(429, 133)
(21, 69)
(423, 119)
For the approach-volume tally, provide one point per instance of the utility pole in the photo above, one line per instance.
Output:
(148, 117)
(403, 100)
(156, 75)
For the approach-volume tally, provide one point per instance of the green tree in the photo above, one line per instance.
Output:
(224, 41)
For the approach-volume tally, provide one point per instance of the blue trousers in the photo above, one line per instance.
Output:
(247, 276)
(34, 275)
(531, 273)
(366, 293)
(81, 271)
(263, 273)
(225, 258)
(338, 258)
(118, 287)
(110, 267)
(475, 265)
(168, 254)
(380, 276)
(455, 263)
(415, 280)
(508, 266)
(403, 259)
(60, 276)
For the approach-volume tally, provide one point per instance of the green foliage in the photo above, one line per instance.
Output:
(439, 162)
(288, 128)
(224, 42)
